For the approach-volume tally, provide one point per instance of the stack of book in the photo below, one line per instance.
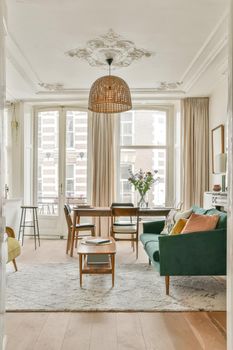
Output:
(97, 241)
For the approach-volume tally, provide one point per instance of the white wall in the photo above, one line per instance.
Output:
(218, 115)
(19, 151)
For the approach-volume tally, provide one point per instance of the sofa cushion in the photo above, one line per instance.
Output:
(146, 237)
(13, 248)
(151, 245)
(183, 214)
(198, 210)
(201, 223)
(222, 222)
(169, 222)
(178, 227)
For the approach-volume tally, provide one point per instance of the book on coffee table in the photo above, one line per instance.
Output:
(97, 241)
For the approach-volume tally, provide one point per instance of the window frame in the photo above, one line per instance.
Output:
(169, 147)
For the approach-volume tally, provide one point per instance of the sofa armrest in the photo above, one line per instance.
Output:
(197, 253)
(153, 227)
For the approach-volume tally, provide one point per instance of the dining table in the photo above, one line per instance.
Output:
(84, 211)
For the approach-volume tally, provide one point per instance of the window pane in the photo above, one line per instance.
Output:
(143, 128)
(76, 155)
(47, 179)
(147, 160)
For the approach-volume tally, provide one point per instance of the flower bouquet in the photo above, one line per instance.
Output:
(142, 182)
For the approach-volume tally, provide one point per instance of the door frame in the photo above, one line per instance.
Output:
(56, 225)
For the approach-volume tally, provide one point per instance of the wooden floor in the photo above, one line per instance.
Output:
(109, 330)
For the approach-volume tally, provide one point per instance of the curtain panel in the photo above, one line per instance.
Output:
(195, 149)
(103, 158)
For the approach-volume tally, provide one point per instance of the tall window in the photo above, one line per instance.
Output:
(47, 162)
(76, 155)
(144, 145)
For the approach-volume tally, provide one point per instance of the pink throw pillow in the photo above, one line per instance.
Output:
(200, 223)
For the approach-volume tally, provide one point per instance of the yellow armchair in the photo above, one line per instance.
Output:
(14, 249)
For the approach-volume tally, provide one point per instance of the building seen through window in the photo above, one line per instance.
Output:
(143, 136)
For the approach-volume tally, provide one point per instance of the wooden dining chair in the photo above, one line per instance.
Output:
(126, 230)
(121, 221)
(79, 227)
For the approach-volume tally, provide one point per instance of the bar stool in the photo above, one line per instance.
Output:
(33, 223)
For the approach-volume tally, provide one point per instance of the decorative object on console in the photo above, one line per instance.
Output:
(109, 94)
(142, 182)
(217, 188)
(221, 168)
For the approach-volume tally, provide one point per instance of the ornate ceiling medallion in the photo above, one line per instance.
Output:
(110, 45)
(52, 87)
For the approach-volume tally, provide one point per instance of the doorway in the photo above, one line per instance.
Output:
(60, 171)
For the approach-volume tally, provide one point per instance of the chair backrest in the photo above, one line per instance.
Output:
(115, 204)
(67, 211)
(125, 211)
(10, 232)
(131, 212)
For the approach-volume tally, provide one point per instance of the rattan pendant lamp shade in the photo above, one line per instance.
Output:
(109, 94)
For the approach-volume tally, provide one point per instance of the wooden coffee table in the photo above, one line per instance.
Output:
(85, 249)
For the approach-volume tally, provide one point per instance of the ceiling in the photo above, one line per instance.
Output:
(188, 40)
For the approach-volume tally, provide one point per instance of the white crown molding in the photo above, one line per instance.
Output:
(134, 91)
(81, 96)
(213, 46)
(22, 65)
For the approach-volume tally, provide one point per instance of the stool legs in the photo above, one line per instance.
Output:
(37, 226)
(23, 227)
(34, 225)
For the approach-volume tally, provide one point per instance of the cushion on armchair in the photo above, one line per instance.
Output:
(13, 248)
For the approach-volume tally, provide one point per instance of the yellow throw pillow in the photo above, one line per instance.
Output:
(178, 227)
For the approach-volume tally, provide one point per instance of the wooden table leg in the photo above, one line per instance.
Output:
(81, 269)
(73, 234)
(113, 268)
(99, 233)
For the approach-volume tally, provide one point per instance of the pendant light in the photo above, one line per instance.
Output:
(109, 94)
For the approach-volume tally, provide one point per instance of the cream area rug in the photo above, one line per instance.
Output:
(138, 287)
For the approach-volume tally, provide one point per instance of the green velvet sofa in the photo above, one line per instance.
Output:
(191, 254)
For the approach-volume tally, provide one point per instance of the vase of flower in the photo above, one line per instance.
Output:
(142, 182)
(143, 200)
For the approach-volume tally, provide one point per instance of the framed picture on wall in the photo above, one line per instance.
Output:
(217, 141)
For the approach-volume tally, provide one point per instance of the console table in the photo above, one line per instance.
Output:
(216, 200)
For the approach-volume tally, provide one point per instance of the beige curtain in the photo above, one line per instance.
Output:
(104, 132)
(195, 142)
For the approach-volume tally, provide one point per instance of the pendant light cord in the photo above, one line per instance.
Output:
(109, 61)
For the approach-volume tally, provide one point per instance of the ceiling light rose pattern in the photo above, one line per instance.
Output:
(168, 86)
(111, 45)
(52, 86)
(109, 94)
